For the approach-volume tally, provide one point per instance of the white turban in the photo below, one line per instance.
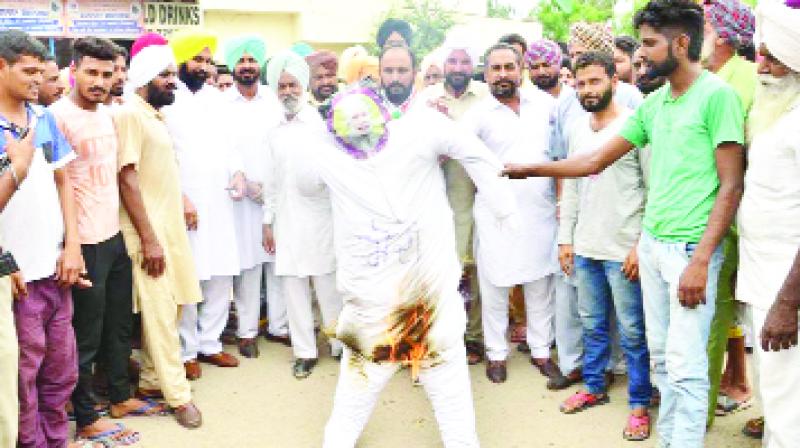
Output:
(460, 41)
(290, 62)
(778, 28)
(148, 63)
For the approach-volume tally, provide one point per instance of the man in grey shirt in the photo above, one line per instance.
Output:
(601, 220)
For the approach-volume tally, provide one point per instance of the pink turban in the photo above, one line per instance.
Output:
(145, 40)
(732, 20)
(546, 50)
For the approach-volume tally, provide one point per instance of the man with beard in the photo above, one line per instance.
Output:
(544, 59)
(524, 256)
(154, 228)
(729, 26)
(252, 111)
(298, 228)
(769, 259)
(120, 76)
(695, 128)
(323, 83)
(398, 70)
(585, 37)
(457, 95)
(624, 46)
(396, 258)
(103, 313)
(601, 220)
(646, 83)
(52, 87)
(210, 180)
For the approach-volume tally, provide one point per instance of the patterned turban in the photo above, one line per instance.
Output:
(290, 62)
(732, 20)
(593, 36)
(544, 49)
(252, 45)
(323, 58)
(189, 43)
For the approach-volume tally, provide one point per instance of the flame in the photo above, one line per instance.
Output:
(407, 337)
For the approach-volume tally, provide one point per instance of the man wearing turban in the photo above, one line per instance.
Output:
(211, 180)
(769, 269)
(251, 111)
(729, 26)
(454, 97)
(154, 229)
(298, 227)
(585, 37)
(193, 54)
(323, 65)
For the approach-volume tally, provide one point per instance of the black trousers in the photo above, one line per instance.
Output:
(103, 319)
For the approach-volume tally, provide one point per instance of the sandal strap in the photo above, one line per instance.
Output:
(581, 399)
(635, 421)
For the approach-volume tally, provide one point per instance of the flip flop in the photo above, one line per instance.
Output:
(727, 405)
(144, 411)
(115, 435)
(581, 401)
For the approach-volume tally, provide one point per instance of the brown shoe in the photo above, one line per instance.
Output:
(248, 347)
(546, 366)
(189, 416)
(562, 382)
(220, 359)
(496, 371)
(193, 370)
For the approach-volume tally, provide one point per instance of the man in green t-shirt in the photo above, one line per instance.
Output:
(694, 126)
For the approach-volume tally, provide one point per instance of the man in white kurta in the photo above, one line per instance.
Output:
(207, 173)
(252, 111)
(527, 256)
(398, 270)
(769, 218)
(299, 228)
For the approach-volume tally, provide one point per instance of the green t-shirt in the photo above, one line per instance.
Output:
(742, 75)
(683, 135)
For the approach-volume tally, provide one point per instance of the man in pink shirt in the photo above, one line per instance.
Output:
(103, 313)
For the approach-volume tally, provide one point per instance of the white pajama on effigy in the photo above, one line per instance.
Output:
(447, 385)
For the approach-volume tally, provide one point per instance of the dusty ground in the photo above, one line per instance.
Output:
(259, 404)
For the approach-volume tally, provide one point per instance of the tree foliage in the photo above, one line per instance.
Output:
(498, 10)
(429, 20)
(557, 16)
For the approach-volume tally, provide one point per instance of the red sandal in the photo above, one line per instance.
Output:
(635, 425)
(582, 400)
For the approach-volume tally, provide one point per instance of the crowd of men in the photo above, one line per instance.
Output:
(632, 203)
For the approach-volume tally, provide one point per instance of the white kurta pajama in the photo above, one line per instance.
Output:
(206, 172)
(303, 231)
(395, 248)
(769, 238)
(248, 123)
(527, 255)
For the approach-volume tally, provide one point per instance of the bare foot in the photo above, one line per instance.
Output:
(104, 425)
(132, 405)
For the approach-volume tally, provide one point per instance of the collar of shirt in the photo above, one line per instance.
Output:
(306, 115)
(137, 101)
(439, 90)
(234, 94)
(526, 96)
(667, 97)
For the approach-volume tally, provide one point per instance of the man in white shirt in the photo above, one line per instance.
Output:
(768, 218)
(298, 228)
(515, 124)
(252, 111)
(601, 220)
(396, 258)
(210, 179)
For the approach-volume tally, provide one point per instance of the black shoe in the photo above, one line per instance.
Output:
(496, 371)
(248, 347)
(303, 367)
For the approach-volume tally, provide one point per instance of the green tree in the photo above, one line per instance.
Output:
(556, 16)
(497, 10)
(624, 23)
(429, 20)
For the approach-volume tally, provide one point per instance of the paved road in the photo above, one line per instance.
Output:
(259, 404)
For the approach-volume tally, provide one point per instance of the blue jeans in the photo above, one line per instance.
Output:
(677, 337)
(602, 289)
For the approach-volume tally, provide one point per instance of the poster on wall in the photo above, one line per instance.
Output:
(36, 17)
(103, 18)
